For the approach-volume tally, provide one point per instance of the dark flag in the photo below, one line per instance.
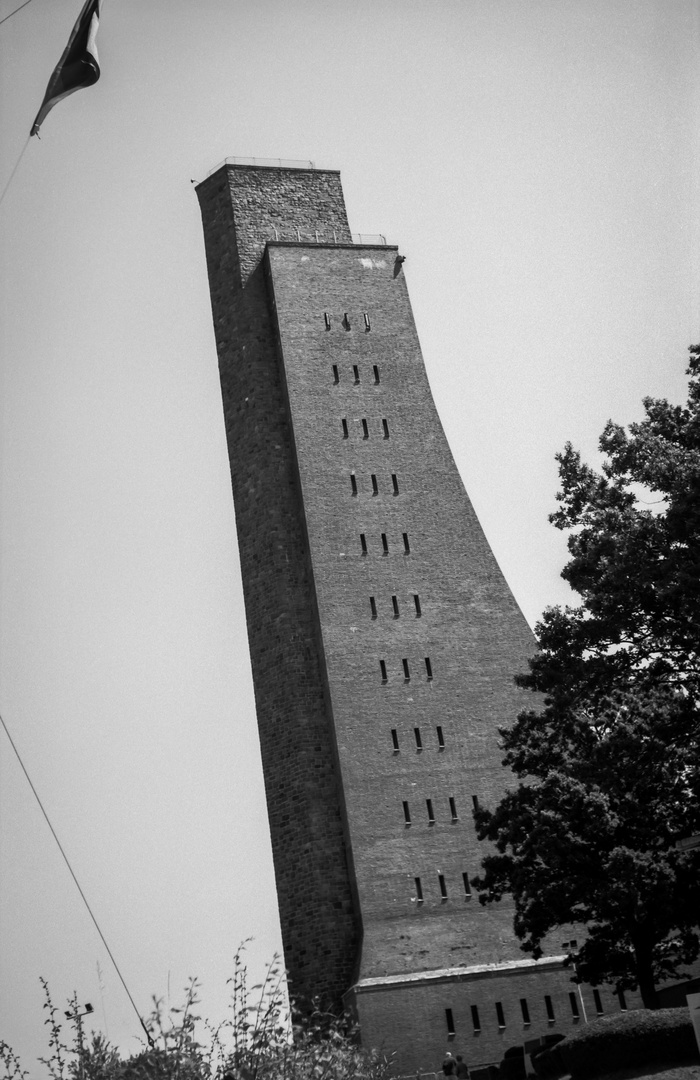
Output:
(78, 67)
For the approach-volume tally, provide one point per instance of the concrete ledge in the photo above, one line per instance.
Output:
(479, 971)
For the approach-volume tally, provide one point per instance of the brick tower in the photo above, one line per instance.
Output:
(383, 636)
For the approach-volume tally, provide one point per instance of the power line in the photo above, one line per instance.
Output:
(12, 174)
(77, 883)
(15, 11)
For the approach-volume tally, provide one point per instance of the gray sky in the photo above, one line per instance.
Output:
(537, 161)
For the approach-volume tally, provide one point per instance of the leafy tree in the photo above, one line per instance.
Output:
(610, 763)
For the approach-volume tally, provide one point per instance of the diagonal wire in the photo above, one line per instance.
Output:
(12, 174)
(77, 883)
(15, 11)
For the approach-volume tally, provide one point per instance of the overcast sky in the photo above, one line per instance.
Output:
(537, 163)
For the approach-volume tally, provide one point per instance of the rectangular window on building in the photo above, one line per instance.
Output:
(368, 325)
(475, 802)
(327, 320)
(428, 668)
(356, 373)
(500, 1015)
(394, 738)
(345, 428)
(385, 545)
(525, 1011)
(450, 1023)
(443, 886)
(382, 668)
(453, 809)
(419, 890)
(395, 483)
(406, 814)
(375, 369)
(573, 1001)
(385, 428)
(431, 814)
(363, 543)
(476, 1023)
(406, 672)
(467, 886)
(597, 1001)
(416, 601)
(406, 545)
(373, 607)
(419, 741)
(395, 606)
(353, 483)
(375, 485)
(440, 738)
(621, 999)
(346, 321)
(336, 376)
(365, 430)
(549, 1007)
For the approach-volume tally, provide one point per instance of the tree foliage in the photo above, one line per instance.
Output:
(610, 763)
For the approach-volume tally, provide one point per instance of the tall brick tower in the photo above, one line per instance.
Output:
(383, 635)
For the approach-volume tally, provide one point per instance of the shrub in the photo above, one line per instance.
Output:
(641, 1037)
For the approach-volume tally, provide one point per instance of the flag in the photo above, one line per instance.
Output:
(78, 67)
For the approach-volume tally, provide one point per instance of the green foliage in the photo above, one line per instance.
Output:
(610, 765)
(256, 1042)
(641, 1037)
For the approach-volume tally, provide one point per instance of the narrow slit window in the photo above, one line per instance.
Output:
(442, 883)
(373, 607)
(327, 320)
(336, 375)
(395, 606)
(406, 813)
(440, 738)
(346, 321)
(525, 1011)
(385, 429)
(365, 430)
(356, 373)
(467, 886)
(382, 668)
(475, 802)
(368, 325)
(416, 601)
(428, 668)
(500, 1015)
(449, 1020)
(431, 812)
(363, 543)
(406, 672)
(406, 545)
(394, 739)
(453, 810)
(345, 427)
(375, 485)
(573, 1001)
(476, 1023)
(385, 545)
(395, 482)
(549, 1007)
(597, 1002)
(419, 890)
(419, 741)
(375, 369)
(353, 483)
(621, 999)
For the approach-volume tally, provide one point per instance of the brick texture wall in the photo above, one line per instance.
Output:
(361, 557)
(319, 924)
